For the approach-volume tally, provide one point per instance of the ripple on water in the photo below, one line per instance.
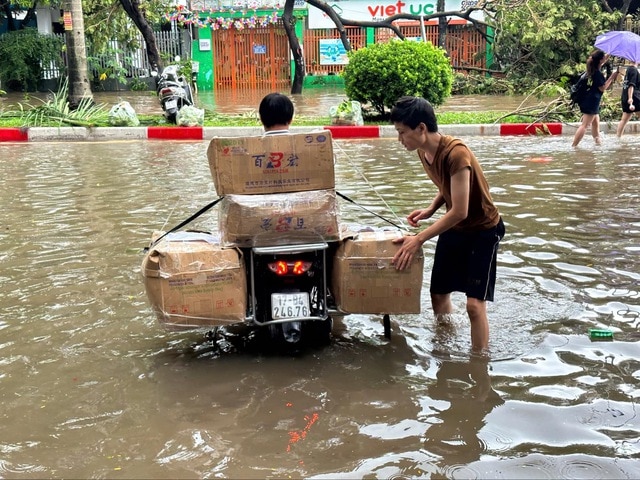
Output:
(576, 466)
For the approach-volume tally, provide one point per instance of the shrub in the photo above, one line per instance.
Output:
(23, 53)
(383, 72)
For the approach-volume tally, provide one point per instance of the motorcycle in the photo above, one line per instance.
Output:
(279, 292)
(288, 298)
(173, 91)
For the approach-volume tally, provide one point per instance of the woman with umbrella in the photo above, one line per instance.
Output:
(624, 44)
(630, 97)
(590, 105)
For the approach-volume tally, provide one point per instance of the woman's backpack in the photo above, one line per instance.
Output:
(579, 90)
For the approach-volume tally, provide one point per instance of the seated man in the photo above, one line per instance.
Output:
(276, 113)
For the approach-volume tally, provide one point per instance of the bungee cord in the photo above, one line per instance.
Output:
(402, 225)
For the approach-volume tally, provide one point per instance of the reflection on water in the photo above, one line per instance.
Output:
(105, 392)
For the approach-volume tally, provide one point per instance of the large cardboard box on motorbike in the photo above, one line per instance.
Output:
(192, 281)
(279, 219)
(364, 280)
(272, 163)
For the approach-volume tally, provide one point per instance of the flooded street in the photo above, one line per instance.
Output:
(311, 103)
(92, 387)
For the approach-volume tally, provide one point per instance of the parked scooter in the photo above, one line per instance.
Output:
(173, 91)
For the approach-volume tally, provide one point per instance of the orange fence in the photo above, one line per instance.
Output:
(465, 46)
(250, 59)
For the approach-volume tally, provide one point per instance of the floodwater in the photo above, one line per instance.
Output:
(312, 102)
(92, 387)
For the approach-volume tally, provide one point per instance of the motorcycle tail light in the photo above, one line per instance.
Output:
(165, 91)
(282, 267)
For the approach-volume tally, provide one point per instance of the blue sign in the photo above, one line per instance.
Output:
(332, 52)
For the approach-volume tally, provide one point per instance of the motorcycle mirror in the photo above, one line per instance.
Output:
(154, 73)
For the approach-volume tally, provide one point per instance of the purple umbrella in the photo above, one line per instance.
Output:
(620, 44)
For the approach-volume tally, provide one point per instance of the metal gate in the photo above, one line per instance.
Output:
(251, 58)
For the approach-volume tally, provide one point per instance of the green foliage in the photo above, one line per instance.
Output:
(23, 53)
(383, 72)
(56, 111)
(138, 85)
(480, 84)
(106, 20)
(546, 39)
(107, 65)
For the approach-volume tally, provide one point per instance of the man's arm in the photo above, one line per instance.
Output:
(423, 213)
(460, 191)
(459, 207)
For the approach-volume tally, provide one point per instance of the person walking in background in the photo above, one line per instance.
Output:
(470, 230)
(276, 113)
(590, 105)
(630, 97)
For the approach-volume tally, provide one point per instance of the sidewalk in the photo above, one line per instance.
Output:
(74, 134)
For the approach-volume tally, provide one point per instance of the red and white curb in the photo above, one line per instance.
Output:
(73, 134)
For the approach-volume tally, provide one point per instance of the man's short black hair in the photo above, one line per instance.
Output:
(276, 109)
(412, 111)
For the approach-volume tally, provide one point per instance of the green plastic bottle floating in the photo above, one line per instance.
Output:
(600, 334)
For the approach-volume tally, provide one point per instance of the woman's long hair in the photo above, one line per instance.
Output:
(593, 62)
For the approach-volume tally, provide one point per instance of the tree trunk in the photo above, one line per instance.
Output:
(79, 86)
(6, 8)
(442, 26)
(132, 7)
(289, 22)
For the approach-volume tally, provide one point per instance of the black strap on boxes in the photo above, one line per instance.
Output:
(342, 195)
(182, 224)
(210, 205)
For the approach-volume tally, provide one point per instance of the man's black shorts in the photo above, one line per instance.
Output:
(466, 262)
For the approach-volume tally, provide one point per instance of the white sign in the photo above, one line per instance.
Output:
(374, 11)
(204, 44)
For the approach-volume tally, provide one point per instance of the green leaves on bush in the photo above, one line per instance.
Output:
(23, 53)
(383, 72)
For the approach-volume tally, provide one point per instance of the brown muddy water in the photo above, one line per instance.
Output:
(92, 387)
(312, 102)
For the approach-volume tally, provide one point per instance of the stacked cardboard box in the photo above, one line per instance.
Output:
(272, 163)
(279, 219)
(277, 189)
(192, 281)
(365, 281)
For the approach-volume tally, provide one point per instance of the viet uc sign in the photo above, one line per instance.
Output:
(373, 11)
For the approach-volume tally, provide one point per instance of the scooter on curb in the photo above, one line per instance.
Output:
(174, 92)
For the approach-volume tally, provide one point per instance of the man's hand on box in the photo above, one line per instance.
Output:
(411, 245)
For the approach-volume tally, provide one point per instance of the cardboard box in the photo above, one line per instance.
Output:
(278, 219)
(192, 282)
(364, 281)
(272, 163)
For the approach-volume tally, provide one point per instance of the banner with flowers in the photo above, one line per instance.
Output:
(238, 14)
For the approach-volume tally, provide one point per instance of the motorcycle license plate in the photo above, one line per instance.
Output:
(289, 305)
(171, 104)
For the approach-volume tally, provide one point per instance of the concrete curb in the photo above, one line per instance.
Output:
(74, 134)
